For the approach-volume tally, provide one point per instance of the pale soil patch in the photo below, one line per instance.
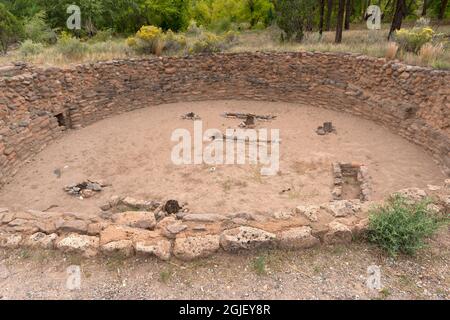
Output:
(132, 151)
(325, 273)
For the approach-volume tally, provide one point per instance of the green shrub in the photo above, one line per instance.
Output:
(413, 40)
(208, 43)
(70, 46)
(29, 48)
(10, 28)
(102, 36)
(401, 226)
(173, 42)
(37, 29)
(148, 40)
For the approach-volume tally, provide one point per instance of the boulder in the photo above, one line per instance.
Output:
(191, 248)
(338, 233)
(136, 219)
(72, 225)
(297, 238)
(85, 245)
(245, 238)
(159, 247)
(413, 194)
(10, 240)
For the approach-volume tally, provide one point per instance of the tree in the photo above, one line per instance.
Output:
(293, 15)
(10, 28)
(442, 9)
(348, 14)
(424, 8)
(322, 12)
(399, 14)
(329, 13)
(340, 21)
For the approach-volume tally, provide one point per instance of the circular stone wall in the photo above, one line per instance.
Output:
(38, 106)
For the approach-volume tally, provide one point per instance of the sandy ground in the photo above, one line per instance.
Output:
(324, 273)
(132, 151)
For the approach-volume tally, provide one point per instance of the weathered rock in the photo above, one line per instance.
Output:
(413, 194)
(136, 219)
(10, 240)
(343, 208)
(117, 233)
(159, 248)
(310, 212)
(206, 217)
(4, 210)
(447, 183)
(71, 225)
(246, 238)
(95, 228)
(191, 248)
(282, 215)
(139, 204)
(122, 247)
(42, 240)
(297, 238)
(172, 230)
(76, 243)
(338, 233)
(360, 228)
(23, 225)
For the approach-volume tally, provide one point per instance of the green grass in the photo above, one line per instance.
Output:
(259, 265)
(401, 226)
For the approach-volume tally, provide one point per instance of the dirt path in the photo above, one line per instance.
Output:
(324, 273)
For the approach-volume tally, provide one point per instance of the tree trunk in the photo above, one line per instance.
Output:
(329, 13)
(348, 14)
(340, 21)
(400, 12)
(322, 12)
(442, 9)
(424, 8)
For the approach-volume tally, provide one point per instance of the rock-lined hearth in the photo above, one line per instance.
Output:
(191, 236)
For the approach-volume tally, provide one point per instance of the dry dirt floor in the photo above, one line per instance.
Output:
(338, 272)
(132, 151)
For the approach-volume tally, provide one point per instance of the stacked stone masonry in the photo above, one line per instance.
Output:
(38, 105)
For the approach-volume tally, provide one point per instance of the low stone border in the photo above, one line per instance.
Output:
(189, 236)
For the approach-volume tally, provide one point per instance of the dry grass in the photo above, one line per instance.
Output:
(357, 40)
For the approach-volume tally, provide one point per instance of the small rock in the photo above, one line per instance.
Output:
(297, 238)
(413, 194)
(122, 247)
(199, 227)
(245, 238)
(174, 229)
(310, 212)
(4, 210)
(338, 234)
(41, 240)
(172, 207)
(191, 248)
(10, 240)
(159, 248)
(282, 215)
(343, 208)
(77, 226)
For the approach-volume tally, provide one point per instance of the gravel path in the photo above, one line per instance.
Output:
(338, 272)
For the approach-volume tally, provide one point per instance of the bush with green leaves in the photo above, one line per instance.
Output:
(148, 40)
(29, 48)
(70, 46)
(413, 40)
(10, 28)
(37, 29)
(174, 43)
(209, 43)
(401, 226)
